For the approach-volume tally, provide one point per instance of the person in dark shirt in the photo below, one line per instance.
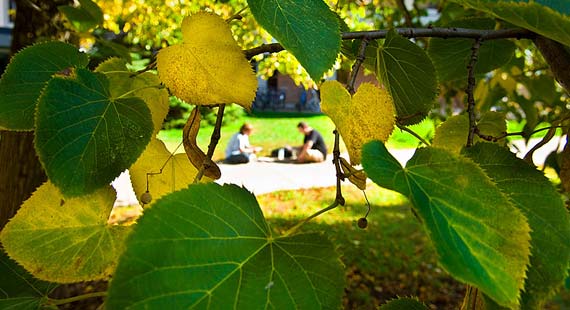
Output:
(313, 149)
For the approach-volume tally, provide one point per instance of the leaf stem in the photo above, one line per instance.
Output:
(63, 301)
(413, 133)
(294, 228)
(469, 91)
(213, 143)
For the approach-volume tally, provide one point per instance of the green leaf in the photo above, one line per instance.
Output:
(85, 137)
(85, 17)
(480, 237)
(404, 304)
(451, 56)
(65, 240)
(18, 289)
(307, 29)
(144, 85)
(26, 76)
(209, 247)
(538, 18)
(534, 195)
(451, 135)
(409, 75)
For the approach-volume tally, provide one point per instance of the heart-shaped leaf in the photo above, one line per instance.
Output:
(65, 240)
(208, 67)
(166, 172)
(209, 247)
(368, 115)
(84, 137)
(480, 236)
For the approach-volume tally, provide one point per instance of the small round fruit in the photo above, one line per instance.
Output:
(362, 222)
(146, 198)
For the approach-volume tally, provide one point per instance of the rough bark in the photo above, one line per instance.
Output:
(20, 171)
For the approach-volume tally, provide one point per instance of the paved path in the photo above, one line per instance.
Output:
(265, 177)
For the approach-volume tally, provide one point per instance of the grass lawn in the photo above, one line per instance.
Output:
(391, 257)
(276, 130)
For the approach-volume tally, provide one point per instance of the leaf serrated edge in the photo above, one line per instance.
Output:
(9, 69)
(525, 225)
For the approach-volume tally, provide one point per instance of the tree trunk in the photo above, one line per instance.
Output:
(20, 171)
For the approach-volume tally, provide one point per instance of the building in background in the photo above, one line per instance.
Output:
(6, 25)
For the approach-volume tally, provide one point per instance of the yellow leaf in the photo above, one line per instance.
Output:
(65, 240)
(355, 176)
(368, 115)
(177, 174)
(208, 67)
(124, 81)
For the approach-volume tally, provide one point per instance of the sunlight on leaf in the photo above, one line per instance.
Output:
(315, 42)
(209, 247)
(368, 115)
(177, 174)
(122, 81)
(85, 137)
(65, 240)
(451, 135)
(481, 238)
(534, 195)
(208, 67)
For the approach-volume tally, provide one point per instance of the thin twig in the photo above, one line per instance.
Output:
(508, 134)
(339, 175)
(413, 133)
(469, 91)
(213, 143)
(356, 66)
(433, 32)
(549, 135)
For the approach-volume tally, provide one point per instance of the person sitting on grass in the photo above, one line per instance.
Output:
(313, 149)
(239, 151)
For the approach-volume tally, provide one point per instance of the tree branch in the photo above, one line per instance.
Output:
(434, 32)
(469, 91)
(356, 66)
(213, 143)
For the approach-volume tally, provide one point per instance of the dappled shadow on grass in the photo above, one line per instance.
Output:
(391, 257)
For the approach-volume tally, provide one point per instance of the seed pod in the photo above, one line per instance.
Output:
(146, 198)
(362, 222)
